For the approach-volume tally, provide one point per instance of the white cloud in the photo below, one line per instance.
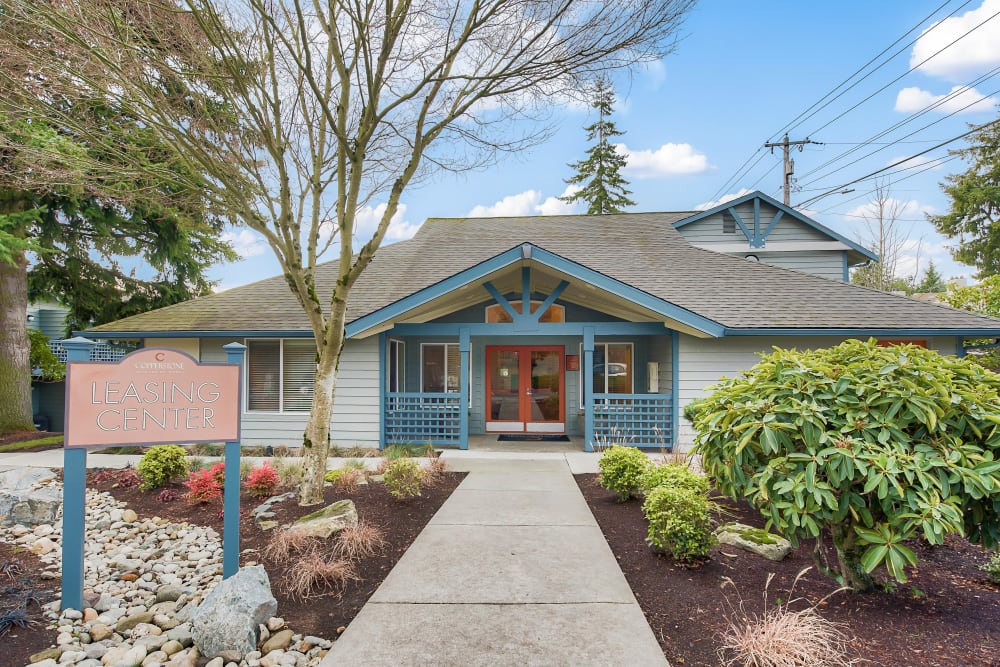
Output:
(667, 160)
(654, 74)
(704, 206)
(910, 208)
(958, 100)
(245, 243)
(529, 202)
(971, 55)
(917, 163)
(368, 218)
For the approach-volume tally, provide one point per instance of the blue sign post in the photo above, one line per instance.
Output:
(152, 396)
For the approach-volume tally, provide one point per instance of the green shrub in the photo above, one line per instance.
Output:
(692, 409)
(674, 475)
(992, 568)
(867, 446)
(680, 523)
(402, 478)
(45, 365)
(160, 465)
(621, 470)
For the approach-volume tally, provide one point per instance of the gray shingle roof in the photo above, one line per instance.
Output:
(639, 249)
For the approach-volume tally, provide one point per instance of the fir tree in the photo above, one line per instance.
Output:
(933, 281)
(603, 187)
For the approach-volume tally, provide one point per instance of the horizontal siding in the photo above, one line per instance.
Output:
(709, 230)
(704, 361)
(273, 429)
(825, 264)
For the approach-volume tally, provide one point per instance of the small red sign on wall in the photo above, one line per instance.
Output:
(572, 362)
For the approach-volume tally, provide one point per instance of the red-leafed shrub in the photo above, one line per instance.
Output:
(218, 472)
(168, 495)
(263, 481)
(203, 485)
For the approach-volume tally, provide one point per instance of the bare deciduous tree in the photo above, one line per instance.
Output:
(887, 239)
(315, 110)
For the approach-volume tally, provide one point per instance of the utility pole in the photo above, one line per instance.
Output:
(789, 162)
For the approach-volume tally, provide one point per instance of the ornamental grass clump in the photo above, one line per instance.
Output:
(622, 469)
(863, 445)
(160, 465)
(680, 523)
(780, 636)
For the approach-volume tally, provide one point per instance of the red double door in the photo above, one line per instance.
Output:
(525, 389)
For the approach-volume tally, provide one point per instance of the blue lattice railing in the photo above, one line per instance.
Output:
(100, 352)
(640, 420)
(417, 418)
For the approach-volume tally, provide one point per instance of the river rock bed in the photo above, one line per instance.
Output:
(144, 576)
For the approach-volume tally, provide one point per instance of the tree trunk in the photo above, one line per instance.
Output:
(849, 560)
(15, 364)
(316, 440)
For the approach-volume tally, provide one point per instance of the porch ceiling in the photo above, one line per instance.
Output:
(544, 280)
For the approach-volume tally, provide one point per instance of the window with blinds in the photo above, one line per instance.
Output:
(280, 375)
(440, 366)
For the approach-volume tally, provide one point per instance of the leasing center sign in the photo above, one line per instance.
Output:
(152, 396)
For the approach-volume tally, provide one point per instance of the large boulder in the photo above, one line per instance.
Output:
(227, 621)
(21, 502)
(754, 540)
(329, 520)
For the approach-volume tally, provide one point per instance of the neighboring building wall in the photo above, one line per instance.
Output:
(823, 263)
(190, 346)
(709, 230)
(703, 362)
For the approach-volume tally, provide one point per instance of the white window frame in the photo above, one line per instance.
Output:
(281, 379)
(604, 344)
(400, 367)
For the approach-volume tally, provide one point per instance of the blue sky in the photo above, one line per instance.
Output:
(740, 74)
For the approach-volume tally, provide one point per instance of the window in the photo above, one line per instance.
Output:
(612, 369)
(395, 377)
(440, 367)
(495, 314)
(728, 223)
(280, 375)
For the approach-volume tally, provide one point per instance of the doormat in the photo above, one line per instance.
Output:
(532, 437)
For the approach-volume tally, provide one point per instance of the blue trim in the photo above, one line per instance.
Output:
(960, 347)
(464, 348)
(739, 222)
(757, 241)
(588, 389)
(543, 329)
(675, 375)
(546, 258)
(847, 269)
(502, 300)
(383, 342)
(770, 227)
(551, 299)
(526, 292)
(757, 194)
(986, 333)
(441, 288)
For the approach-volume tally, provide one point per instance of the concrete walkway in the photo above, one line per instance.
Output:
(512, 570)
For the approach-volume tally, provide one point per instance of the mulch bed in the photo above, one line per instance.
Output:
(948, 613)
(400, 521)
(21, 588)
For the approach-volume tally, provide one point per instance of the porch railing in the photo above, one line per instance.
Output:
(640, 420)
(99, 352)
(416, 418)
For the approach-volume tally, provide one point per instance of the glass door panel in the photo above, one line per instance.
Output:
(525, 389)
(503, 366)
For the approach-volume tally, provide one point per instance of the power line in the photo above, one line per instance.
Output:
(898, 162)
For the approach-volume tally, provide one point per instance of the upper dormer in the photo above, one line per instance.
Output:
(760, 228)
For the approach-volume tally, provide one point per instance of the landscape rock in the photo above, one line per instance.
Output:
(227, 619)
(755, 540)
(29, 507)
(279, 640)
(329, 520)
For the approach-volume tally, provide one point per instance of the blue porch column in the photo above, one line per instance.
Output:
(675, 399)
(74, 499)
(464, 339)
(231, 486)
(588, 389)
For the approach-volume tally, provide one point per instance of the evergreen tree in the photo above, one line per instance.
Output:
(603, 187)
(933, 280)
(975, 203)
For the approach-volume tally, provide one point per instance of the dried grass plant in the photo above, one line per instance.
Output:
(348, 480)
(286, 544)
(317, 574)
(781, 637)
(434, 471)
(360, 541)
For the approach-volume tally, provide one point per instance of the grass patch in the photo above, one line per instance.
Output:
(28, 444)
